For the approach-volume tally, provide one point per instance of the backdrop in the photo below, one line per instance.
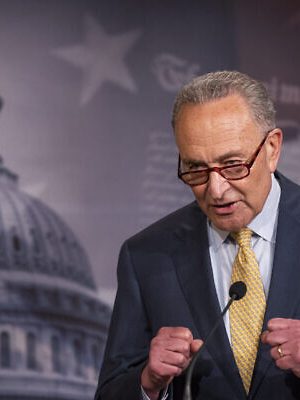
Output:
(88, 88)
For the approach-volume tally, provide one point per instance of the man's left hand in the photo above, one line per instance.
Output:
(283, 335)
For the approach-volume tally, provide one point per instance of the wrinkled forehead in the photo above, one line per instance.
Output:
(214, 128)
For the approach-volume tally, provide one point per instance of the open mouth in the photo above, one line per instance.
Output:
(225, 208)
(224, 205)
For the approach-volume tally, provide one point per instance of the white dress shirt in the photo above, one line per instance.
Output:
(223, 248)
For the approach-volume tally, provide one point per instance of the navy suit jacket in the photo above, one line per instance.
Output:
(165, 279)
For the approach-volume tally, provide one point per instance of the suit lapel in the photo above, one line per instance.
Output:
(284, 287)
(194, 272)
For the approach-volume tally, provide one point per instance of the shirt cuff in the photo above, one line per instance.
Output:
(163, 394)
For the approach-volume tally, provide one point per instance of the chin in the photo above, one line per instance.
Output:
(230, 226)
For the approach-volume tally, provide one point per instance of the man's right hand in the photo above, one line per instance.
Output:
(171, 351)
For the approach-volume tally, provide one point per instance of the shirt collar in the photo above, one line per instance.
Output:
(263, 225)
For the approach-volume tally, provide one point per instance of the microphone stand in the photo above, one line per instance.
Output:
(236, 292)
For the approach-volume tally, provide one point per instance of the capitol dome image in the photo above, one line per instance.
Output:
(53, 325)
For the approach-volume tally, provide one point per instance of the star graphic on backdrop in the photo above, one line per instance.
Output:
(101, 58)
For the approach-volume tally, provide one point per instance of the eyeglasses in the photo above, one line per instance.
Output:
(231, 173)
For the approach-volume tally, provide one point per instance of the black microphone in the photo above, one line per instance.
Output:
(236, 292)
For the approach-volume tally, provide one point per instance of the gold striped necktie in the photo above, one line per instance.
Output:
(247, 314)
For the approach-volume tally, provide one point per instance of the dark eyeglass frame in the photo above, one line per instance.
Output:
(219, 170)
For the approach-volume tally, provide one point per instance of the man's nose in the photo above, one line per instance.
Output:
(217, 185)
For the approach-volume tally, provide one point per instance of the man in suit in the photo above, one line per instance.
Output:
(174, 276)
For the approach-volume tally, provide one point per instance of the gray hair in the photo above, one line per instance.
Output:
(220, 84)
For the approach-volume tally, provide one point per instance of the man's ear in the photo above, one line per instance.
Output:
(273, 148)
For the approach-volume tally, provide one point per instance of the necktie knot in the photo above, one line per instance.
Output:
(243, 237)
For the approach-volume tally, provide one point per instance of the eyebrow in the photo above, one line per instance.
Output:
(231, 154)
(220, 159)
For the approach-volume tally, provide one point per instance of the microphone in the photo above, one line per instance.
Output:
(236, 292)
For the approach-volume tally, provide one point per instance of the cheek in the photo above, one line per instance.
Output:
(255, 190)
(199, 193)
